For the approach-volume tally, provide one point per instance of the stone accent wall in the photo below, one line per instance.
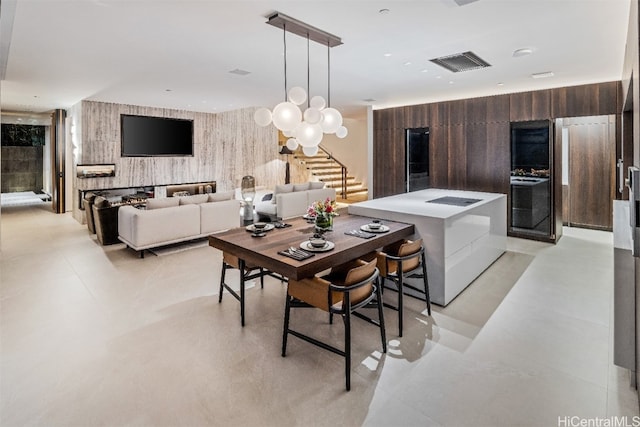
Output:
(21, 169)
(227, 146)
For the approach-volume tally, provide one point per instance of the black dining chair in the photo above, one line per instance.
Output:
(346, 289)
(248, 271)
(399, 261)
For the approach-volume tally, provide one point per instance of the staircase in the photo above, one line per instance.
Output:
(333, 173)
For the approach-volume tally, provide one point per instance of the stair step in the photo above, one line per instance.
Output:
(326, 173)
(330, 178)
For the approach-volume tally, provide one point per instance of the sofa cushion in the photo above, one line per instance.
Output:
(148, 228)
(316, 185)
(196, 199)
(301, 187)
(293, 204)
(321, 195)
(221, 195)
(218, 216)
(281, 189)
(162, 202)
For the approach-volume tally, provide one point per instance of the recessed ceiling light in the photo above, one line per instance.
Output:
(438, 77)
(407, 63)
(424, 71)
(500, 84)
(167, 90)
(522, 52)
(387, 55)
(369, 100)
(542, 75)
(450, 82)
(384, 11)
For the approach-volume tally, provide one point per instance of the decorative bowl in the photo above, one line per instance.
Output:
(375, 224)
(317, 242)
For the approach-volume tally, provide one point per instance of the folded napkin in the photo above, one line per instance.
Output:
(281, 225)
(359, 233)
(298, 254)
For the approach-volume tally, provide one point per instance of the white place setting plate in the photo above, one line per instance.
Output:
(306, 245)
(252, 227)
(383, 228)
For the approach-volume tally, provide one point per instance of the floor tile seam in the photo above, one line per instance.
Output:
(541, 369)
(559, 318)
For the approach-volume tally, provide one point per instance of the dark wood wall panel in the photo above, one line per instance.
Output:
(416, 116)
(469, 139)
(488, 157)
(439, 156)
(587, 100)
(457, 157)
(388, 162)
(530, 106)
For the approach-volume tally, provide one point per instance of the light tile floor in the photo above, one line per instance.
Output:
(93, 335)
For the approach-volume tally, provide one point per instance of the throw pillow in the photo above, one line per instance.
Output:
(316, 185)
(301, 187)
(222, 195)
(162, 202)
(194, 200)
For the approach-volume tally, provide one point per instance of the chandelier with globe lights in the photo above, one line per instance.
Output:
(305, 129)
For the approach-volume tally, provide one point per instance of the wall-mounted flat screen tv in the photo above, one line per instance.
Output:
(144, 136)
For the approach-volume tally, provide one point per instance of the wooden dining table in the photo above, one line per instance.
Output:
(263, 251)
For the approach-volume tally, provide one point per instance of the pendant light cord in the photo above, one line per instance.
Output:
(284, 42)
(308, 74)
(328, 75)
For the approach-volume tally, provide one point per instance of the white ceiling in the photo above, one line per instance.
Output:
(178, 53)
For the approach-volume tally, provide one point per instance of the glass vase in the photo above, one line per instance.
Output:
(324, 223)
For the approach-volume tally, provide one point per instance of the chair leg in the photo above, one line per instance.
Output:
(426, 284)
(347, 347)
(285, 330)
(400, 303)
(261, 278)
(222, 275)
(383, 334)
(242, 268)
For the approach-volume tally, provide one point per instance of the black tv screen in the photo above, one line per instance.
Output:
(155, 136)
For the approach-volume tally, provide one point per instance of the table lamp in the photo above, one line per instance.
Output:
(248, 192)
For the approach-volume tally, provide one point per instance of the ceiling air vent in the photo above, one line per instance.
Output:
(461, 62)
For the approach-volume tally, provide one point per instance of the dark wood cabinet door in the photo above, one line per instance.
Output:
(388, 162)
(457, 157)
(488, 157)
(528, 106)
(591, 166)
(439, 156)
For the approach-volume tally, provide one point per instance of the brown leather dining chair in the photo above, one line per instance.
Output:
(398, 261)
(346, 289)
(250, 272)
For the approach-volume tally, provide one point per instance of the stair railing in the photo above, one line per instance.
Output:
(343, 171)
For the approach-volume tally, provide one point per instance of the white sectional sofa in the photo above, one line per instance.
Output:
(176, 219)
(291, 200)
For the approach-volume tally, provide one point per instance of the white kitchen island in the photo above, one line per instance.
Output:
(461, 239)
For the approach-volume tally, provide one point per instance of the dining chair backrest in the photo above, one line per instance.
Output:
(358, 274)
(406, 250)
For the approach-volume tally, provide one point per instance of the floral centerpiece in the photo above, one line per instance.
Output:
(323, 212)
